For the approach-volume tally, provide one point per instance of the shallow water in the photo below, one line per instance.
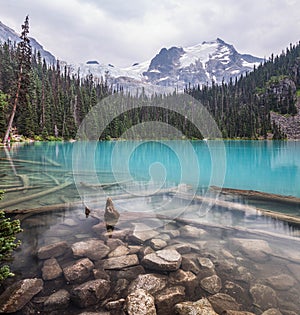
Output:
(147, 173)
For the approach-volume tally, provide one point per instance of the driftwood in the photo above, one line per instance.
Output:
(241, 207)
(103, 185)
(25, 161)
(50, 161)
(25, 180)
(22, 188)
(34, 196)
(258, 195)
(55, 180)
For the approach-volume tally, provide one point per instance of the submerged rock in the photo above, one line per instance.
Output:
(121, 250)
(281, 282)
(189, 231)
(142, 233)
(272, 311)
(19, 294)
(79, 271)
(93, 249)
(152, 283)
(57, 301)
(211, 284)
(53, 250)
(90, 293)
(255, 249)
(223, 302)
(186, 279)
(166, 299)
(140, 302)
(120, 262)
(201, 307)
(51, 269)
(163, 260)
(264, 296)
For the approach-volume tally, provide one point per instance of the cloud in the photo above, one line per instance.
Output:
(123, 32)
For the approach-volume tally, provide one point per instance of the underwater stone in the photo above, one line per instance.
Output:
(52, 250)
(163, 260)
(201, 307)
(140, 302)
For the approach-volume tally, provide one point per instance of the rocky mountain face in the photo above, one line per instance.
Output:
(175, 67)
(8, 34)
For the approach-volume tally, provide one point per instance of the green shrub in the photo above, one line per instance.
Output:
(8, 242)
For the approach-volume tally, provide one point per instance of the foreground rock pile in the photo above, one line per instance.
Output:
(178, 269)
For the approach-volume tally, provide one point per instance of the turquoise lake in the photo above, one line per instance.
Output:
(164, 187)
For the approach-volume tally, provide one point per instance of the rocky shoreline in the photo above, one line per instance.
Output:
(176, 268)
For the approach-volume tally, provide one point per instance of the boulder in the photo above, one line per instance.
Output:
(158, 244)
(166, 299)
(186, 279)
(189, 264)
(51, 269)
(151, 283)
(211, 284)
(52, 250)
(93, 249)
(90, 293)
(145, 250)
(113, 243)
(281, 282)
(255, 249)
(189, 231)
(121, 250)
(129, 273)
(205, 263)
(120, 262)
(264, 296)
(140, 302)
(79, 271)
(201, 307)
(142, 233)
(163, 260)
(19, 294)
(57, 301)
(223, 302)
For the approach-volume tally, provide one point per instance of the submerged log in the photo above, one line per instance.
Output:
(9, 203)
(258, 195)
(103, 185)
(25, 180)
(22, 188)
(50, 161)
(25, 161)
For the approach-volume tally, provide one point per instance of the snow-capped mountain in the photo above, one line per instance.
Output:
(8, 34)
(177, 67)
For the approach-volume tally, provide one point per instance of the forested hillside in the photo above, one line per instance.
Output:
(50, 102)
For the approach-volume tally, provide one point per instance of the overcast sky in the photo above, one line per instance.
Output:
(122, 32)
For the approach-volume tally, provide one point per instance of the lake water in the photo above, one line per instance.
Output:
(159, 180)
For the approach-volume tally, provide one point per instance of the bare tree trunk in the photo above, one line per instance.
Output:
(12, 116)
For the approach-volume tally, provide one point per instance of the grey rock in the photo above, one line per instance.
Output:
(101, 274)
(151, 283)
(111, 215)
(93, 249)
(51, 269)
(264, 296)
(57, 301)
(15, 297)
(129, 273)
(52, 250)
(163, 260)
(173, 233)
(257, 250)
(90, 293)
(113, 243)
(223, 302)
(142, 233)
(235, 290)
(186, 279)
(167, 298)
(211, 284)
(121, 250)
(120, 262)
(237, 313)
(79, 271)
(134, 249)
(205, 263)
(281, 282)
(201, 307)
(295, 270)
(189, 264)
(157, 244)
(145, 250)
(140, 302)
(182, 248)
(191, 232)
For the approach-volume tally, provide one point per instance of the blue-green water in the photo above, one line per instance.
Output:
(258, 165)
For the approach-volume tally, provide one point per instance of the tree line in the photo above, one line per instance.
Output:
(51, 102)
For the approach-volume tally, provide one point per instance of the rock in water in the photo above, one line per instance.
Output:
(19, 294)
(111, 215)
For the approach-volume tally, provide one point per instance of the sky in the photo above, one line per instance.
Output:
(122, 32)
